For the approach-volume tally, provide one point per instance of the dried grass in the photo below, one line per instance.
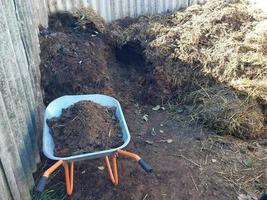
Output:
(170, 78)
(225, 39)
(220, 109)
(128, 29)
(88, 16)
(263, 48)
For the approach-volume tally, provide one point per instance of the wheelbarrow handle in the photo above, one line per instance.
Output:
(145, 165)
(137, 158)
(264, 196)
(41, 185)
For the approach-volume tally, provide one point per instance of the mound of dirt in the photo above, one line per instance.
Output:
(85, 127)
(74, 58)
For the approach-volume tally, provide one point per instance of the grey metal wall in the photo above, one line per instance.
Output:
(116, 9)
(20, 95)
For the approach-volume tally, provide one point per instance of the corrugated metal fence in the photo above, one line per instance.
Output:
(20, 95)
(115, 9)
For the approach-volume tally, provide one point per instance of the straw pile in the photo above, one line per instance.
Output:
(220, 109)
(221, 41)
(225, 39)
(88, 17)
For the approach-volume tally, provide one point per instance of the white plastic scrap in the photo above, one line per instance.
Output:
(145, 117)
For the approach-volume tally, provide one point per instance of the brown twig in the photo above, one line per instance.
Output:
(109, 133)
(194, 182)
(62, 125)
(189, 160)
(253, 179)
(145, 196)
(261, 159)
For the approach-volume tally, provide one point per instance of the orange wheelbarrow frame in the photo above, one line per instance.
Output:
(112, 170)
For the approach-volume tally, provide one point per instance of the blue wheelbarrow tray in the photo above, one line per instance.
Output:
(54, 109)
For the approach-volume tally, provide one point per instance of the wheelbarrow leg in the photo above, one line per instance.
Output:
(113, 173)
(69, 175)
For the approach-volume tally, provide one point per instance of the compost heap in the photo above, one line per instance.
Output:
(85, 127)
(226, 39)
(202, 53)
(205, 46)
(75, 54)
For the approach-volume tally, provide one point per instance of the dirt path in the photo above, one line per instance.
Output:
(188, 161)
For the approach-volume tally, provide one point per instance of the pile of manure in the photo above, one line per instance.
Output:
(226, 40)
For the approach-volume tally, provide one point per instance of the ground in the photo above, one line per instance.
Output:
(189, 162)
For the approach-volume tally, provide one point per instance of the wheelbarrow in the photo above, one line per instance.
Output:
(54, 109)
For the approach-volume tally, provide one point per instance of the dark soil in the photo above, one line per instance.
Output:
(85, 127)
(188, 161)
(73, 60)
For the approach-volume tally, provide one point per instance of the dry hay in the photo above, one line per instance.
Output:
(129, 29)
(170, 78)
(220, 109)
(87, 16)
(225, 39)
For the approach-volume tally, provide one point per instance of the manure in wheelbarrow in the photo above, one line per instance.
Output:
(85, 127)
